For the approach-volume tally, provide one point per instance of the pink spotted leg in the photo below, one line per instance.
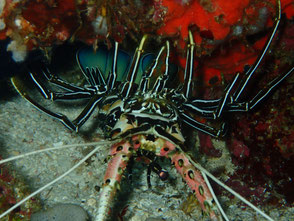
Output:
(120, 153)
(123, 151)
(190, 174)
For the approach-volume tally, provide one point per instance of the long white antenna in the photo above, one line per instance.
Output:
(54, 148)
(199, 167)
(214, 196)
(50, 183)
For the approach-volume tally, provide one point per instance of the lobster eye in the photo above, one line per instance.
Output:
(163, 175)
(150, 137)
(111, 121)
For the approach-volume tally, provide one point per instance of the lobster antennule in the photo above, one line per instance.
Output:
(162, 79)
(128, 85)
(113, 75)
(187, 90)
(144, 83)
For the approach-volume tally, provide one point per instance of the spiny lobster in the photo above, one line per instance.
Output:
(143, 113)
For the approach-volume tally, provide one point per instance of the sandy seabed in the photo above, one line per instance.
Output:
(24, 129)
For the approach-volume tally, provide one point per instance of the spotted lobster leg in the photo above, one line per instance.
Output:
(192, 176)
(120, 154)
(195, 181)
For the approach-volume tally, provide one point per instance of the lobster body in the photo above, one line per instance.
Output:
(145, 120)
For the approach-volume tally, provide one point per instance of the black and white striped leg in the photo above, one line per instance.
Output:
(87, 111)
(96, 77)
(62, 118)
(201, 110)
(211, 109)
(261, 95)
(206, 108)
(73, 125)
(268, 89)
(205, 104)
(224, 100)
(203, 127)
(238, 93)
(57, 81)
(113, 75)
(73, 92)
(93, 76)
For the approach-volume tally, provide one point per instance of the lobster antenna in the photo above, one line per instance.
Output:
(50, 183)
(199, 167)
(53, 148)
(214, 196)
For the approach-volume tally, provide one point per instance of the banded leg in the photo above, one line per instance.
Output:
(206, 108)
(96, 78)
(224, 100)
(207, 112)
(261, 95)
(203, 127)
(72, 125)
(211, 109)
(72, 91)
(238, 93)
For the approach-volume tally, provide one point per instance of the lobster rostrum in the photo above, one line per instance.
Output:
(143, 113)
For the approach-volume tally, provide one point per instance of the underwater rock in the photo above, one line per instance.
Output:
(61, 212)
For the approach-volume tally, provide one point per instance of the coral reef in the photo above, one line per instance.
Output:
(263, 149)
(221, 31)
(41, 24)
(261, 141)
(12, 189)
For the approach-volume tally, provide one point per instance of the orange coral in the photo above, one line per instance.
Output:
(216, 16)
(288, 8)
(215, 22)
